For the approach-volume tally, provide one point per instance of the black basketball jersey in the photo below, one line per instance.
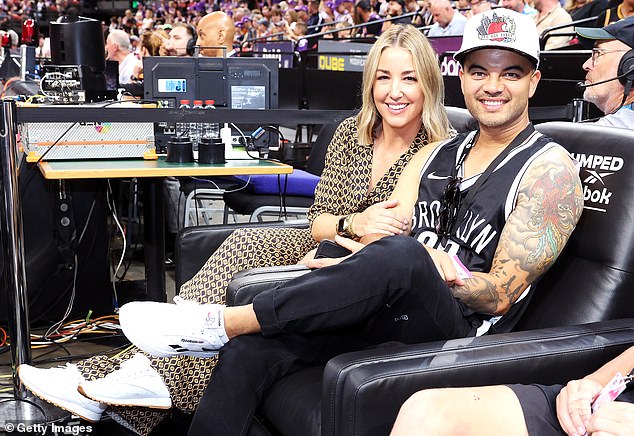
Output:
(476, 233)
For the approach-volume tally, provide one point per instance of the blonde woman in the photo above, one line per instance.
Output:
(364, 160)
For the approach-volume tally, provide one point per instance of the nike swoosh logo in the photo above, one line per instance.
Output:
(433, 176)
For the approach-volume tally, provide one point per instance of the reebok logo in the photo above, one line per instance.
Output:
(595, 177)
(596, 170)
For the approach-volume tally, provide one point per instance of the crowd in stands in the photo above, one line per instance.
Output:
(297, 20)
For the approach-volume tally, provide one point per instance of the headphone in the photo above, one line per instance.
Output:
(624, 73)
(626, 68)
(191, 44)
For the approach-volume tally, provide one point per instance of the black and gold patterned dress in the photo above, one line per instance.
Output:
(342, 189)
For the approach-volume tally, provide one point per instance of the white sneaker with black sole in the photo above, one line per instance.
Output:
(58, 386)
(135, 383)
(182, 329)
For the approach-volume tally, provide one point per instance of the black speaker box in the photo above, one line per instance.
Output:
(61, 221)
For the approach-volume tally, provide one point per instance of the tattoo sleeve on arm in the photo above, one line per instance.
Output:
(548, 207)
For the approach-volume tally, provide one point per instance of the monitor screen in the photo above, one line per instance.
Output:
(172, 85)
(248, 97)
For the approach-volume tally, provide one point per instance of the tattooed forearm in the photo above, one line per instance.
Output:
(478, 293)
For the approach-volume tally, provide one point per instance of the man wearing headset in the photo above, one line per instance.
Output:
(610, 71)
(181, 41)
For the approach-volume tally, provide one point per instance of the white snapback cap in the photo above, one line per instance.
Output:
(500, 28)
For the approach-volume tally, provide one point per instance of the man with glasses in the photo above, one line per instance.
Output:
(492, 210)
(610, 71)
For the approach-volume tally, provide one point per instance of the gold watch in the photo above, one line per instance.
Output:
(344, 227)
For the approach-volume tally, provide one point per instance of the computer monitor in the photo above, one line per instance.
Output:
(236, 83)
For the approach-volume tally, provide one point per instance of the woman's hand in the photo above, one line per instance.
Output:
(379, 218)
(308, 257)
(612, 419)
(445, 267)
(573, 405)
(351, 245)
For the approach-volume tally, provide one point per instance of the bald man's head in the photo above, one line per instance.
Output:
(442, 12)
(215, 30)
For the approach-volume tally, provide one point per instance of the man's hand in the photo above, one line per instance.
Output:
(166, 50)
(615, 418)
(573, 405)
(445, 267)
(351, 245)
(379, 218)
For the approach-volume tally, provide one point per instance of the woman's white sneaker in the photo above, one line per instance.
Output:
(58, 386)
(182, 329)
(135, 383)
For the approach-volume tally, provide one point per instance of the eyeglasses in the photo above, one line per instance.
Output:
(449, 205)
(598, 52)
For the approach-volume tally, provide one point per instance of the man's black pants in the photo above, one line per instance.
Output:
(389, 291)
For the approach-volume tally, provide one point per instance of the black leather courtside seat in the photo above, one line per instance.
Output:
(361, 392)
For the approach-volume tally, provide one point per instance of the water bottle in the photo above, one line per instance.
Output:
(210, 130)
(182, 129)
(195, 129)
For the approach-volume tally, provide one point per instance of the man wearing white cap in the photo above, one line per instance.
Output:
(475, 199)
(537, 409)
(557, 409)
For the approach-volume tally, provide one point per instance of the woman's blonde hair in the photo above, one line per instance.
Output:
(434, 116)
